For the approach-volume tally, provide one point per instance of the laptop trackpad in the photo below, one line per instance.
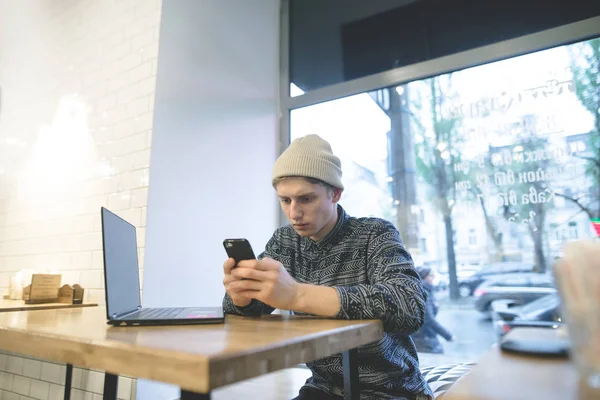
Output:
(198, 313)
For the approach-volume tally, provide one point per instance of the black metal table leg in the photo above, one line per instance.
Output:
(350, 366)
(111, 384)
(68, 379)
(186, 395)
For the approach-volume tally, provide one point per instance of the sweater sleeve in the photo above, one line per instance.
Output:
(394, 293)
(255, 308)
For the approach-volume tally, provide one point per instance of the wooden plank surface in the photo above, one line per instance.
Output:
(501, 375)
(195, 357)
(7, 305)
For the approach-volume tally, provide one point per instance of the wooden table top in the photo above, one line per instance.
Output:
(501, 375)
(7, 305)
(199, 358)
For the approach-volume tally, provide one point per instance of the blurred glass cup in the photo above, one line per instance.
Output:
(578, 280)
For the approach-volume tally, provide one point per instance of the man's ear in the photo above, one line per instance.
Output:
(337, 194)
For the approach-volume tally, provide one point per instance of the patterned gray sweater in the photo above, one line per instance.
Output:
(365, 261)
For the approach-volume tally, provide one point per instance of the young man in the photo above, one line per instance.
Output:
(329, 264)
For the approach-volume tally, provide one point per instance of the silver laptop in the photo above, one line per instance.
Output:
(122, 283)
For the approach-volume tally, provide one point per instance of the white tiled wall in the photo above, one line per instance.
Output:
(77, 80)
(27, 378)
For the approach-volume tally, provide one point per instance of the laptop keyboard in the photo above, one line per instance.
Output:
(159, 313)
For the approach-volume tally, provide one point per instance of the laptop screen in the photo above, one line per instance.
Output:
(121, 274)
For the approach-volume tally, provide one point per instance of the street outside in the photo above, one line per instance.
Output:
(474, 333)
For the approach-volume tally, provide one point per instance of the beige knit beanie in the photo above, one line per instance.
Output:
(311, 157)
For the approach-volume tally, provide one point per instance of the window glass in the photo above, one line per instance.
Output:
(512, 282)
(541, 280)
(504, 156)
(543, 303)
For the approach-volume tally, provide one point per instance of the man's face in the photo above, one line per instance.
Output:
(310, 208)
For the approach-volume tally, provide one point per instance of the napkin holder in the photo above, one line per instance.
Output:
(70, 294)
(43, 289)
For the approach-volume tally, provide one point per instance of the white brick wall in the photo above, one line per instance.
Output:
(28, 378)
(78, 79)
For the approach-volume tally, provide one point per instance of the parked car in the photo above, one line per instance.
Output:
(543, 312)
(468, 284)
(522, 288)
(440, 282)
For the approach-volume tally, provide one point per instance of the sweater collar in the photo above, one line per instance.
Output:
(331, 237)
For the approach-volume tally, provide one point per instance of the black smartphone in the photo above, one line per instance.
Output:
(238, 249)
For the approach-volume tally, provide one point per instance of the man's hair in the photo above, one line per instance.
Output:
(314, 181)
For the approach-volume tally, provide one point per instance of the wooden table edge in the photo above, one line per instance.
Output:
(45, 306)
(219, 367)
(182, 369)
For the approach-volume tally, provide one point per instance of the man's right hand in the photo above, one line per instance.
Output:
(238, 299)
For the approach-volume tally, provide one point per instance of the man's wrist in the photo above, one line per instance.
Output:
(318, 300)
(236, 303)
(299, 302)
(242, 305)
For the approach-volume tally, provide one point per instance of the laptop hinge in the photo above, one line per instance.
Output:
(117, 316)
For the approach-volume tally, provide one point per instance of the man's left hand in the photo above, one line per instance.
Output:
(268, 281)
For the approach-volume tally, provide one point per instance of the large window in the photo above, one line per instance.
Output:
(505, 156)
